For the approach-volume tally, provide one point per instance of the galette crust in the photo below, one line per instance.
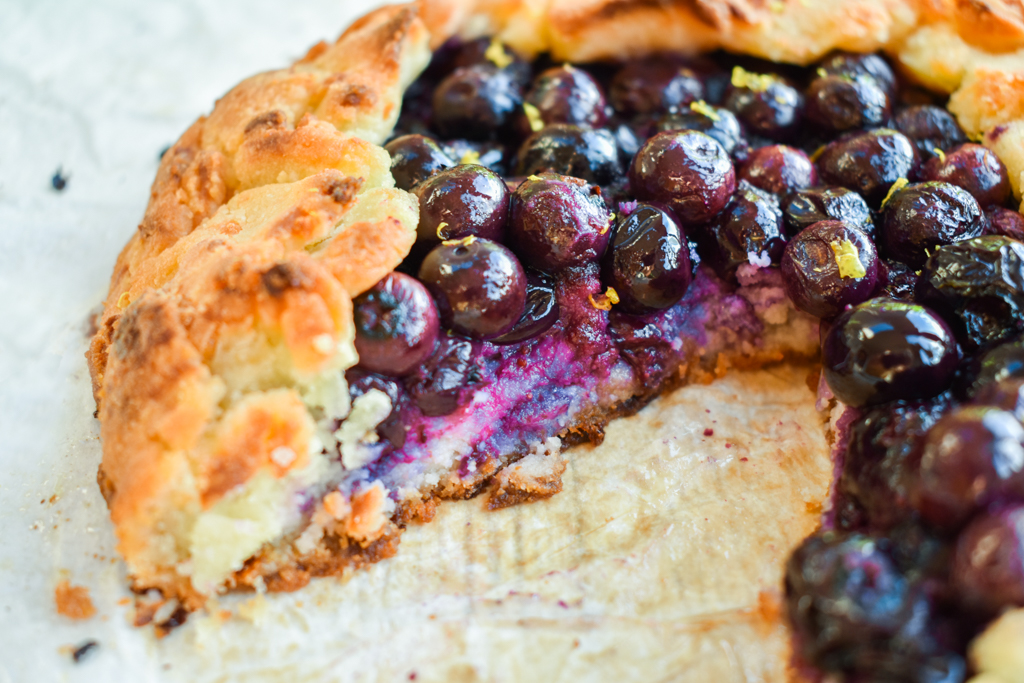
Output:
(272, 212)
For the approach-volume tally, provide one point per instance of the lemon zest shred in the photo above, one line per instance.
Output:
(741, 78)
(940, 154)
(702, 107)
(470, 157)
(848, 259)
(497, 55)
(534, 178)
(464, 242)
(533, 117)
(441, 226)
(604, 301)
(896, 187)
(124, 300)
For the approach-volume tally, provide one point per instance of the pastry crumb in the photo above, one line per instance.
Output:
(73, 602)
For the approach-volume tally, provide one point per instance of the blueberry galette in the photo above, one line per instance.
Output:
(421, 261)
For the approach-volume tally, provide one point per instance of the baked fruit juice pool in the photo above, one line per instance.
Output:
(585, 230)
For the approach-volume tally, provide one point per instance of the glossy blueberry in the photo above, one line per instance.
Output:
(979, 283)
(653, 86)
(853, 65)
(880, 459)
(868, 163)
(883, 350)
(491, 53)
(842, 592)
(1006, 222)
(750, 227)
(1007, 394)
(1004, 362)
(975, 168)
(541, 310)
(839, 103)
(591, 155)
(923, 216)
(829, 266)
(558, 221)
(396, 325)
(435, 385)
(479, 285)
(971, 458)
(718, 122)
(476, 102)
(687, 170)
(648, 261)
(415, 158)
(462, 201)
(766, 105)
(988, 568)
(807, 207)
(779, 169)
(565, 94)
(930, 128)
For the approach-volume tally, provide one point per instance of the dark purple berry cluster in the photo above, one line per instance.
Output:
(884, 222)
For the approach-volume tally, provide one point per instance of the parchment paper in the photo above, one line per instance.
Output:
(661, 560)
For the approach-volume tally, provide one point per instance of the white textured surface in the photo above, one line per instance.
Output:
(645, 547)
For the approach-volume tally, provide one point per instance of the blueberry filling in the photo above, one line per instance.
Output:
(578, 221)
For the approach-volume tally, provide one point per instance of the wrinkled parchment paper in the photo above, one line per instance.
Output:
(661, 560)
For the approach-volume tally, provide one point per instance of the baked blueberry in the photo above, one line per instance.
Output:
(843, 592)
(718, 122)
(541, 311)
(489, 52)
(558, 221)
(855, 65)
(647, 261)
(930, 128)
(591, 155)
(973, 167)
(988, 567)
(748, 230)
(869, 163)
(972, 457)
(396, 325)
(414, 158)
(765, 103)
(1005, 222)
(979, 284)
(880, 460)
(479, 286)
(883, 350)
(487, 153)
(838, 103)
(1001, 363)
(654, 86)
(923, 216)
(897, 280)
(779, 169)
(828, 267)
(436, 384)
(1007, 394)
(476, 102)
(807, 207)
(462, 201)
(687, 170)
(566, 94)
